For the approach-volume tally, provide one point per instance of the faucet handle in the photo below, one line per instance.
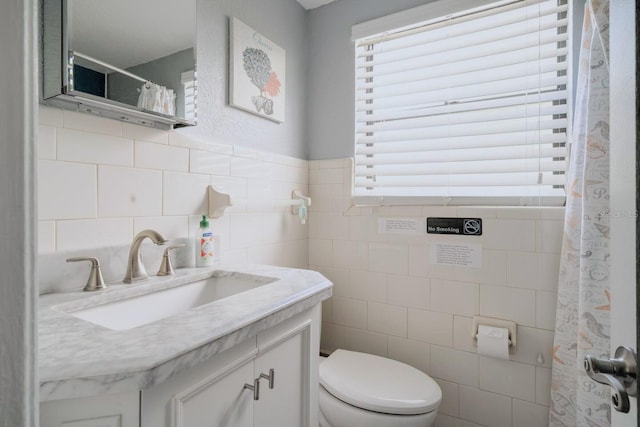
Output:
(95, 281)
(166, 269)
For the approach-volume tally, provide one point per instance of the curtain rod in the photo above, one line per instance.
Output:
(109, 66)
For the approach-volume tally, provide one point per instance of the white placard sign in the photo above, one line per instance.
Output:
(456, 254)
(400, 226)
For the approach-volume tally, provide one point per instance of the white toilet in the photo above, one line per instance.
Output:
(363, 390)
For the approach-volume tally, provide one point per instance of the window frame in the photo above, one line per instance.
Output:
(417, 16)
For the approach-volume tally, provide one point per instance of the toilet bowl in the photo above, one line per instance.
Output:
(363, 390)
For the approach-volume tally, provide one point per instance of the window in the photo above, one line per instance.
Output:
(469, 106)
(188, 79)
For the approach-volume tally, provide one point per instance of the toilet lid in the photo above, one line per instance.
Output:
(379, 384)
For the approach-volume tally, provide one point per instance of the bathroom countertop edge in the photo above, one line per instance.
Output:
(79, 359)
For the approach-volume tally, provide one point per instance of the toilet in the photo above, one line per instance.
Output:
(363, 390)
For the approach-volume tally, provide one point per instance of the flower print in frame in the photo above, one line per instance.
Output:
(257, 73)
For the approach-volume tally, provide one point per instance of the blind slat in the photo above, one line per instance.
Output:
(474, 106)
(466, 52)
(468, 180)
(465, 117)
(530, 124)
(532, 151)
(500, 68)
(529, 100)
(474, 141)
(432, 91)
(446, 40)
(502, 166)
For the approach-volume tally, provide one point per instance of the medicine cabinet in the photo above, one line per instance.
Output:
(131, 60)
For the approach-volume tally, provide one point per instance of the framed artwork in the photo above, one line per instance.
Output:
(257, 73)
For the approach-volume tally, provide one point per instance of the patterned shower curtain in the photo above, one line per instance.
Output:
(582, 315)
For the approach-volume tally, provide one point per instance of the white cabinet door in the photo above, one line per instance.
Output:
(284, 405)
(212, 394)
(222, 403)
(207, 395)
(110, 410)
(291, 349)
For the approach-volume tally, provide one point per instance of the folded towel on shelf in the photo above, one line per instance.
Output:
(156, 98)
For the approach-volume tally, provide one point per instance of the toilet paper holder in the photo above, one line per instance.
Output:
(496, 323)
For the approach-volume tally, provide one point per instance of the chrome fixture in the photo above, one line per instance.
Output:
(255, 388)
(271, 377)
(135, 268)
(95, 281)
(619, 373)
(166, 269)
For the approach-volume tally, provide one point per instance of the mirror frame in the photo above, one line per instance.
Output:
(55, 78)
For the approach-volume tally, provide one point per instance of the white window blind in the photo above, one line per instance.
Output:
(467, 108)
(188, 79)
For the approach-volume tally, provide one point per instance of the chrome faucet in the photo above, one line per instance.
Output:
(135, 268)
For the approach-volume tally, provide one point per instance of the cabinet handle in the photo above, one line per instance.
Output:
(255, 388)
(271, 377)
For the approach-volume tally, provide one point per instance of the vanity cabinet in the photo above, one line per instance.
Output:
(111, 410)
(218, 392)
(213, 392)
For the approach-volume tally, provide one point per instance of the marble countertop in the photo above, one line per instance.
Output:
(78, 358)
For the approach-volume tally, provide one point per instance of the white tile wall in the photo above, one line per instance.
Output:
(82, 147)
(129, 192)
(350, 254)
(150, 155)
(431, 326)
(543, 386)
(46, 142)
(455, 297)
(349, 312)
(388, 258)
(66, 190)
(407, 291)
(412, 352)
(368, 285)
(384, 287)
(529, 414)
(443, 420)
(85, 234)
(486, 408)
(143, 133)
(182, 193)
(450, 404)
(201, 161)
(387, 319)
(507, 377)
(47, 237)
(520, 308)
(102, 181)
(388, 299)
(454, 365)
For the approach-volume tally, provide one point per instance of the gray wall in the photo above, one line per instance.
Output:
(285, 23)
(331, 78)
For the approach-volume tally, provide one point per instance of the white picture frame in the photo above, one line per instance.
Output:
(256, 73)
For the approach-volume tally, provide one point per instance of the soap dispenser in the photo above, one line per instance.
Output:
(302, 212)
(204, 244)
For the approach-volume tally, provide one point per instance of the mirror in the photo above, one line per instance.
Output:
(129, 59)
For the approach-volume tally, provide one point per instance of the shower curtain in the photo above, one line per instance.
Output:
(582, 314)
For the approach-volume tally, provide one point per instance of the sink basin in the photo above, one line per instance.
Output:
(143, 309)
